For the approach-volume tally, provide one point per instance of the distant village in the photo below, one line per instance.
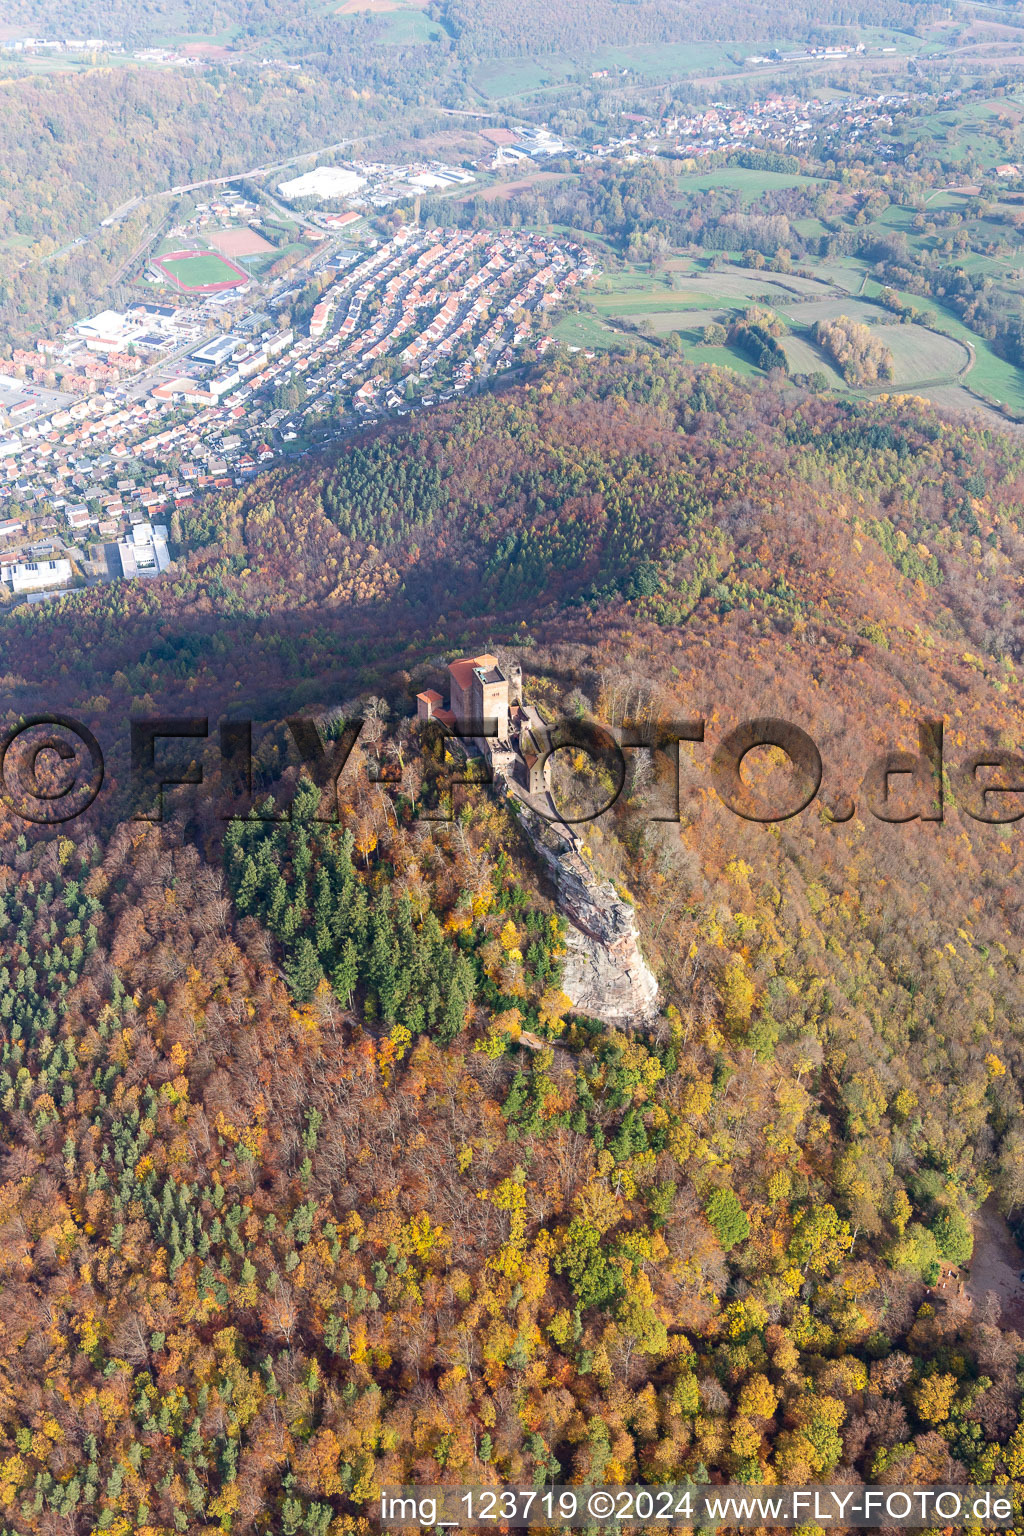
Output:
(785, 122)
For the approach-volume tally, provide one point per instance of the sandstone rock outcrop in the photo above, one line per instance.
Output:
(605, 974)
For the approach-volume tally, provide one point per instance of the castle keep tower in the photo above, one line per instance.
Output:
(479, 693)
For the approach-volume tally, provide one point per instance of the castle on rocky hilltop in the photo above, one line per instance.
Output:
(486, 709)
(605, 973)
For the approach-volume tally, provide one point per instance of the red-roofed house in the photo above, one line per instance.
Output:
(430, 706)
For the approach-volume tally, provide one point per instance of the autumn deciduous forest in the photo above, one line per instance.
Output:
(311, 1180)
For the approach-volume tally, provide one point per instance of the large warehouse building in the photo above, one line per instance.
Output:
(325, 182)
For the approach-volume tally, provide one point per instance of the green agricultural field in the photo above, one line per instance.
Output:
(893, 37)
(957, 399)
(992, 376)
(408, 27)
(661, 302)
(689, 323)
(920, 355)
(805, 356)
(808, 229)
(991, 266)
(588, 331)
(738, 281)
(631, 280)
(812, 310)
(723, 357)
(684, 296)
(500, 78)
(750, 184)
(681, 291)
(519, 77)
(846, 272)
(895, 217)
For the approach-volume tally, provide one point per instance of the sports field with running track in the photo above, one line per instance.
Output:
(200, 271)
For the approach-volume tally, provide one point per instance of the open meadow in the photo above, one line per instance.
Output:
(685, 296)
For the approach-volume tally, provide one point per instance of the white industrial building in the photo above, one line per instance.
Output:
(109, 331)
(37, 575)
(327, 181)
(144, 552)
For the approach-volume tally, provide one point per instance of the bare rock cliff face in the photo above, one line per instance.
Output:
(606, 975)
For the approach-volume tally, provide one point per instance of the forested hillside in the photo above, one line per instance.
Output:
(289, 1206)
(119, 21)
(155, 21)
(493, 28)
(479, 22)
(132, 130)
(73, 150)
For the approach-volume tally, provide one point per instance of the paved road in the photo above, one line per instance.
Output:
(194, 186)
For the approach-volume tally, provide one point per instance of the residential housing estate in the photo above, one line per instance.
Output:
(417, 318)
